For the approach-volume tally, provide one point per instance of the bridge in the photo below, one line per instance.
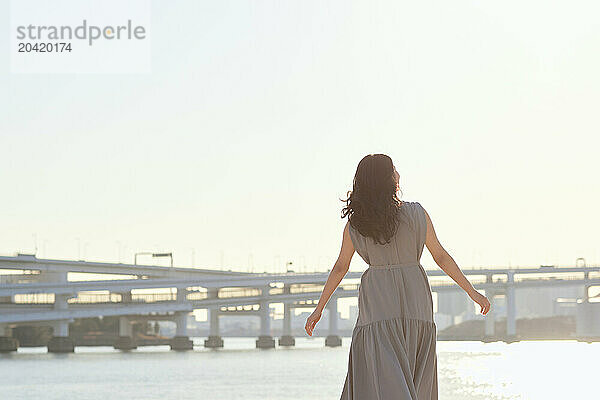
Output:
(38, 292)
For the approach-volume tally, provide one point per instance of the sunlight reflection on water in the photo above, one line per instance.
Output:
(466, 371)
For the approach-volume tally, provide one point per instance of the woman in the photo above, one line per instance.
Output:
(393, 350)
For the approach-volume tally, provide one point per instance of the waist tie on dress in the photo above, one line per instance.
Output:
(390, 266)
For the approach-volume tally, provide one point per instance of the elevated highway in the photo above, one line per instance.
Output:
(40, 292)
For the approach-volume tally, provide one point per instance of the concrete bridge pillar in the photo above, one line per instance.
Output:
(490, 322)
(511, 309)
(125, 297)
(60, 341)
(265, 340)
(181, 341)
(588, 315)
(588, 322)
(586, 287)
(490, 318)
(125, 340)
(333, 339)
(214, 337)
(286, 338)
(181, 323)
(7, 342)
(182, 293)
(125, 327)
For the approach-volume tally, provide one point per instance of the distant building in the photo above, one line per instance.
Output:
(540, 302)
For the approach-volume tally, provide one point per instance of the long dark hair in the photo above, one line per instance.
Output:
(373, 204)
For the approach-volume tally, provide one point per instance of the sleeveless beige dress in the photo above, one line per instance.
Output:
(393, 350)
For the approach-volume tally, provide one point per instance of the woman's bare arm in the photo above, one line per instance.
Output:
(336, 275)
(449, 266)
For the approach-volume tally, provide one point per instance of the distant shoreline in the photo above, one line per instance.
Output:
(543, 328)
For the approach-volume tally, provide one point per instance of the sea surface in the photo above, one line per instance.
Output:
(310, 371)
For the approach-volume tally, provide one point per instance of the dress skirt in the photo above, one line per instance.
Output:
(393, 350)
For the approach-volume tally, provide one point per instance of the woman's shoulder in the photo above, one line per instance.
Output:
(406, 204)
(410, 204)
(412, 207)
(353, 232)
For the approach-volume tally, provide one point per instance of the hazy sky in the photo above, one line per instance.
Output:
(240, 142)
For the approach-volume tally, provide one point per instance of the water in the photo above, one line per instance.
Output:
(467, 371)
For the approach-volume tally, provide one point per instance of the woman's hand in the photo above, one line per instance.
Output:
(481, 300)
(311, 321)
